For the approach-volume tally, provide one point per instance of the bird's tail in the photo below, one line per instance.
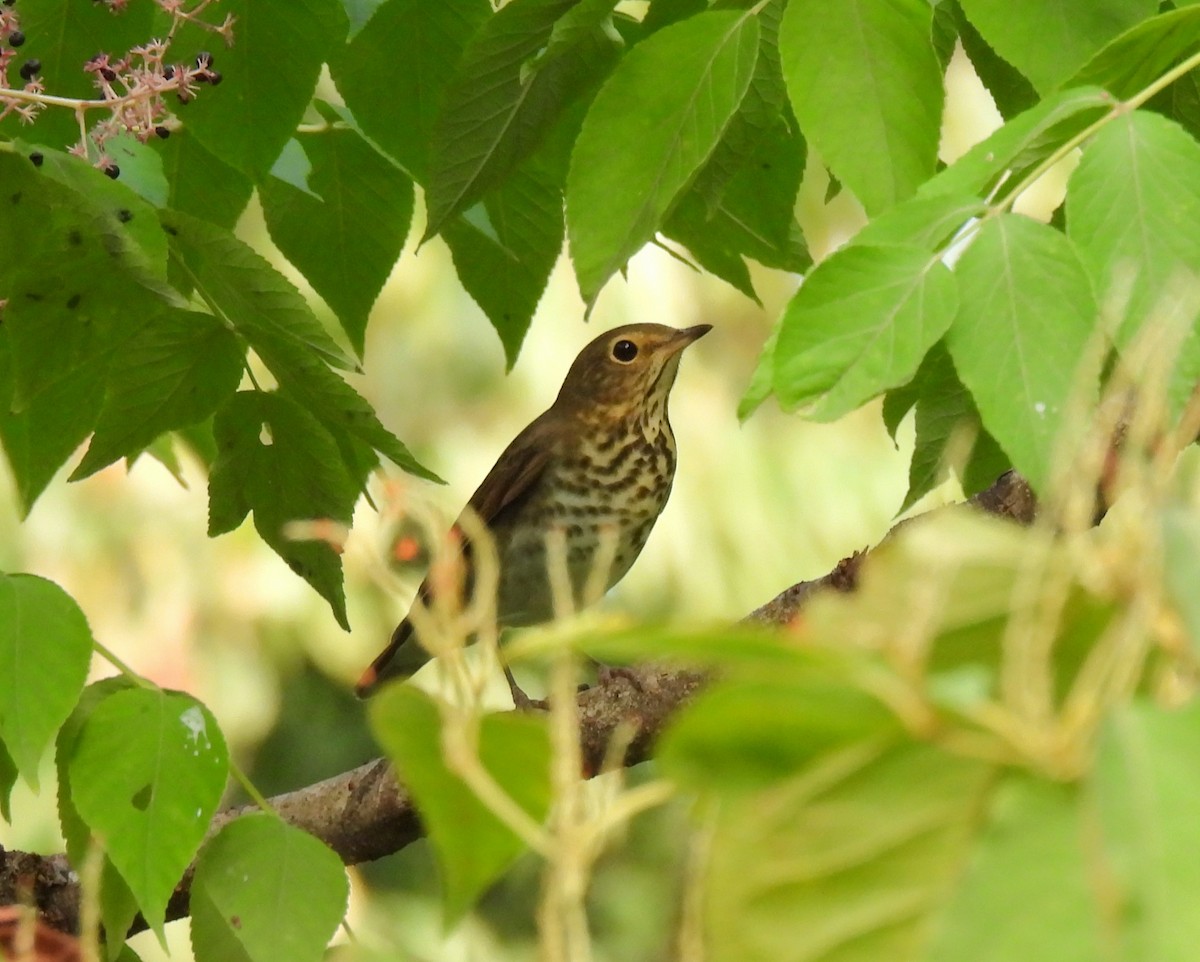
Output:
(400, 659)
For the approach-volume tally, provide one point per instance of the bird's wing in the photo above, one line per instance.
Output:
(511, 478)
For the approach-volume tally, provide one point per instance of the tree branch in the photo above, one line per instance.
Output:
(365, 814)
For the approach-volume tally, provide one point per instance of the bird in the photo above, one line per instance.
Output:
(598, 463)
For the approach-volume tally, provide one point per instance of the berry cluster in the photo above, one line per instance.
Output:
(132, 87)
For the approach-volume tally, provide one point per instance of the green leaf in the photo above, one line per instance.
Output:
(1010, 91)
(950, 435)
(743, 735)
(505, 248)
(1021, 142)
(45, 650)
(141, 169)
(763, 378)
(394, 72)
(1049, 40)
(860, 324)
(270, 73)
(758, 116)
(201, 184)
(173, 374)
(278, 461)
(252, 295)
(925, 222)
(473, 846)
(1026, 315)
(47, 429)
(8, 778)
(1141, 54)
(346, 240)
(1031, 852)
(75, 832)
(146, 774)
(64, 35)
(265, 309)
(1146, 783)
(630, 166)
(867, 90)
(1130, 206)
(265, 891)
(505, 98)
(850, 860)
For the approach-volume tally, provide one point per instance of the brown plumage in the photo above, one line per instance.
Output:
(602, 456)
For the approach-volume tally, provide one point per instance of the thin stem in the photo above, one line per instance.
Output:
(249, 788)
(111, 657)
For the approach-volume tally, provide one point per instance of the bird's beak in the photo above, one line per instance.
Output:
(685, 337)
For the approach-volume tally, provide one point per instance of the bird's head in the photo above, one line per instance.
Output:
(629, 368)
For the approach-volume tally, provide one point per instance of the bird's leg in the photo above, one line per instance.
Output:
(522, 701)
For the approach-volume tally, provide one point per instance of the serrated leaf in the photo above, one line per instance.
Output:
(408, 48)
(1049, 40)
(277, 460)
(1022, 141)
(473, 846)
(1145, 784)
(146, 773)
(263, 891)
(270, 73)
(949, 434)
(867, 90)
(757, 117)
(505, 248)
(253, 296)
(630, 166)
(348, 237)
(1130, 204)
(1026, 314)
(1011, 92)
(507, 93)
(45, 651)
(860, 324)
(763, 379)
(925, 222)
(201, 184)
(1141, 54)
(175, 373)
(813, 869)
(270, 313)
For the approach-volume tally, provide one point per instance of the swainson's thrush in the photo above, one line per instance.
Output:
(602, 458)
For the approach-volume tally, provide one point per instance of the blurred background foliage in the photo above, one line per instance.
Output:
(756, 507)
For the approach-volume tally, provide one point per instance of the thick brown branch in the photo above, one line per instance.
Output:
(366, 814)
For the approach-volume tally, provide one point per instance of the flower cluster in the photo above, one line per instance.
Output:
(133, 88)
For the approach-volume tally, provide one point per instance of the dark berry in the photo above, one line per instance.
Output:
(203, 59)
(36, 158)
(124, 216)
(16, 38)
(108, 74)
(30, 69)
(168, 73)
(9, 3)
(112, 170)
(162, 132)
(214, 77)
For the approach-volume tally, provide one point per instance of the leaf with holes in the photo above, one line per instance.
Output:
(146, 773)
(277, 460)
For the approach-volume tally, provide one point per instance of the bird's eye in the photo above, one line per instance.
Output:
(625, 351)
